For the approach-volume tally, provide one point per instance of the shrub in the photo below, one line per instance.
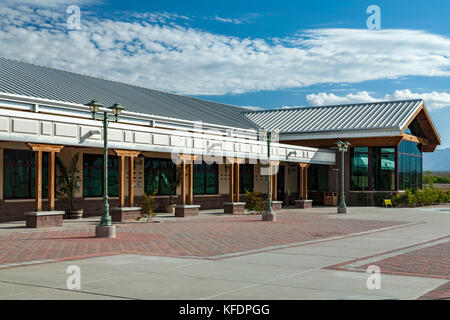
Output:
(254, 202)
(148, 207)
(424, 197)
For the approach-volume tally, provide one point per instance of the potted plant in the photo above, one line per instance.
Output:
(66, 185)
(171, 180)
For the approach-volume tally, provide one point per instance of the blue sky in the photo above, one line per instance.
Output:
(257, 54)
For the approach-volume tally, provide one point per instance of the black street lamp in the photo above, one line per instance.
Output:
(269, 214)
(342, 146)
(105, 229)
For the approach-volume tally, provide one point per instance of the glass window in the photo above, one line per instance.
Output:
(245, 178)
(18, 174)
(93, 175)
(410, 165)
(383, 169)
(318, 177)
(156, 171)
(206, 178)
(359, 168)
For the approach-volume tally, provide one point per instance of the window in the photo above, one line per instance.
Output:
(317, 177)
(410, 165)
(155, 171)
(18, 174)
(93, 175)
(206, 178)
(245, 178)
(383, 169)
(359, 168)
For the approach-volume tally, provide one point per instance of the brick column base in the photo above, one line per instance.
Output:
(303, 204)
(190, 210)
(125, 214)
(234, 207)
(44, 219)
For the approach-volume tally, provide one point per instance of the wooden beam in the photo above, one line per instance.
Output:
(51, 181)
(131, 182)
(121, 181)
(415, 139)
(38, 181)
(45, 147)
(126, 153)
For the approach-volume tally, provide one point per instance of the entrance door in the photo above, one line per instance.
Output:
(280, 183)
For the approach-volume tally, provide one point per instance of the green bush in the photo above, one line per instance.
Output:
(148, 207)
(424, 197)
(254, 202)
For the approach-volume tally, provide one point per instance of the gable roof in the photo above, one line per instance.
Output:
(42, 82)
(361, 116)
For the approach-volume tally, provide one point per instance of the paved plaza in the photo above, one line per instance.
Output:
(305, 254)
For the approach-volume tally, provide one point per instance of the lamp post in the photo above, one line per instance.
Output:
(105, 229)
(269, 215)
(342, 146)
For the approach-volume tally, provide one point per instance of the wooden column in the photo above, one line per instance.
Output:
(51, 181)
(38, 181)
(236, 181)
(39, 149)
(300, 172)
(305, 186)
(232, 182)
(131, 155)
(191, 180)
(183, 182)
(275, 185)
(131, 181)
(122, 181)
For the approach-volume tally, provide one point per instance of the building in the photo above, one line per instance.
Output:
(219, 148)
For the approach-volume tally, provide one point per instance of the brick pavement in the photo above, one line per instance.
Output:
(201, 238)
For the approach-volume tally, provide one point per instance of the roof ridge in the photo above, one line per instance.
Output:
(331, 106)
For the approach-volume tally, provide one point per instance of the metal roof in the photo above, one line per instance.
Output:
(392, 115)
(42, 82)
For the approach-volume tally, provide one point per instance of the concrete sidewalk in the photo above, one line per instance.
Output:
(297, 272)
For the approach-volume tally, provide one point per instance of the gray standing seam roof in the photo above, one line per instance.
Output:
(363, 116)
(42, 82)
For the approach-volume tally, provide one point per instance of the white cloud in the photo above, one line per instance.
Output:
(434, 100)
(168, 56)
(48, 3)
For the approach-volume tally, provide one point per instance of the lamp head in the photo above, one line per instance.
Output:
(94, 106)
(116, 109)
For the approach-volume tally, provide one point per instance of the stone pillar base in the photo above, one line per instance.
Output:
(303, 204)
(234, 207)
(105, 231)
(341, 210)
(276, 205)
(44, 219)
(125, 214)
(269, 216)
(188, 210)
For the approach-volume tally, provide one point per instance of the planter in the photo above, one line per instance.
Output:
(170, 208)
(74, 214)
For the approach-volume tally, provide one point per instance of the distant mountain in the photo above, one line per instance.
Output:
(439, 160)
